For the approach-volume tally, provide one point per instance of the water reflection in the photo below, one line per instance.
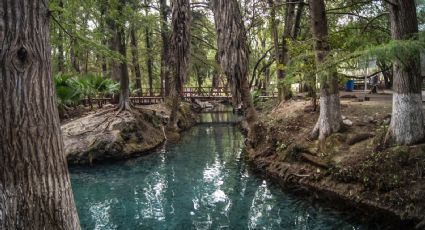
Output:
(201, 183)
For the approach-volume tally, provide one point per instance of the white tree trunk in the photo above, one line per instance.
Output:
(407, 119)
(330, 118)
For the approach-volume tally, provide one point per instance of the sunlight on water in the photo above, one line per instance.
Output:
(203, 182)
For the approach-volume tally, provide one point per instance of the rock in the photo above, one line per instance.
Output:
(105, 135)
(347, 122)
(203, 104)
(369, 119)
(343, 117)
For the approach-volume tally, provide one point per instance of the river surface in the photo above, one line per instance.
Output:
(201, 182)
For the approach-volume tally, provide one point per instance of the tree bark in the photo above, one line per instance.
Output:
(35, 188)
(277, 46)
(165, 53)
(330, 119)
(285, 88)
(407, 125)
(114, 68)
(296, 29)
(61, 57)
(149, 61)
(103, 10)
(233, 52)
(73, 56)
(387, 72)
(180, 47)
(135, 59)
(124, 102)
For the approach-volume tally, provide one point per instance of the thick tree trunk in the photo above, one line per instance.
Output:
(114, 68)
(330, 112)
(124, 103)
(233, 51)
(284, 87)
(180, 47)
(165, 53)
(35, 188)
(407, 124)
(135, 59)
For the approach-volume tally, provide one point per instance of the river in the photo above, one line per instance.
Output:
(201, 182)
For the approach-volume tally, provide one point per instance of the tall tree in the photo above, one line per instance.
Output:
(296, 29)
(287, 35)
(281, 47)
(277, 47)
(233, 52)
(113, 41)
(407, 125)
(35, 188)
(61, 56)
(134, 28)
(135, 59)
(148, 44)
(180, 48)
(74, 55)
(124, 103)
(330, 119)
(165, 52)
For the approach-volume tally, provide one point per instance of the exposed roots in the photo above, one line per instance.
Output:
(124, 106)
(330, 120)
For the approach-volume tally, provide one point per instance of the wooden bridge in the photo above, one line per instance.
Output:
(154, 96)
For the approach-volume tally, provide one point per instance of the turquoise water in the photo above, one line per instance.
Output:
(202, 182)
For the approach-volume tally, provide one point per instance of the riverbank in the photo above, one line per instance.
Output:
(103, 135)
(386, 184)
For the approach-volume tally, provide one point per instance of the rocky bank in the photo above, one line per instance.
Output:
(105, 135)
(385, 184)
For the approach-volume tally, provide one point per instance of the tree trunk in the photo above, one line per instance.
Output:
(114, 68)
(407, 125)
(61, 57)
(180, 47)
(216, 72)
(135, 59)
(233, 51)
(149, 62)
(35, 188)
(124, 103)
(73, 56)
(330, 112)
(148, 43)
(165, 53)
(387, 72)
(287, 35)
(296, 29)
(277, 47)
(103, 10)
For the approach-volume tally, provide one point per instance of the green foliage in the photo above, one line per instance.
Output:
(66, 92)
(72, 89)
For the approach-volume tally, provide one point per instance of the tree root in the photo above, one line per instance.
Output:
(123, 106)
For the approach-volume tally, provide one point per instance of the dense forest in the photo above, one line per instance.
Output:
(65, 57)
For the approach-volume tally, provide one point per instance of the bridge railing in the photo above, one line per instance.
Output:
(189, 93)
